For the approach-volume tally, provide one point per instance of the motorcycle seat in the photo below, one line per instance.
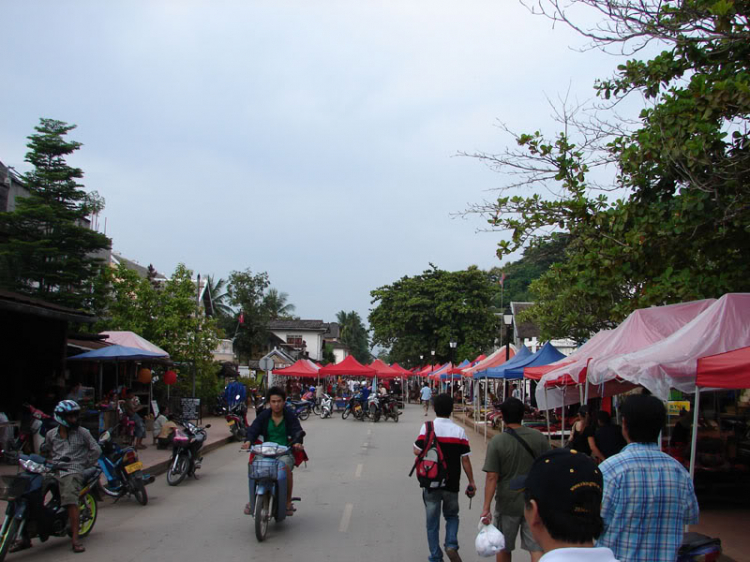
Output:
(91, 473)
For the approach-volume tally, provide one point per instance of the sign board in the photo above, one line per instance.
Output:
(674, 407)
(244, 371)
(155, 408)
(191, 408)
(266, 364)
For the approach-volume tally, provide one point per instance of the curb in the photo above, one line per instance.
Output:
(162, 466)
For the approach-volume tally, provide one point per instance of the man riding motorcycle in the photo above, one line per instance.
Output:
(277, 424)
(75, 442)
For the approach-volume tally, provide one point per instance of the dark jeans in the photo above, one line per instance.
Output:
(433, 501)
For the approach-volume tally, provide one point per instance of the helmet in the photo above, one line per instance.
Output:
(63, 409)
(312, 389)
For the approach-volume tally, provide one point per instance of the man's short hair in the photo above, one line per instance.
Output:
(443, 405)
(512, 410)
(645, 417)
(573, 530)
(603, 417)
(276, 391)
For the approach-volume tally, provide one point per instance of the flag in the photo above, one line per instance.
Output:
(242, 317)
(502, 280)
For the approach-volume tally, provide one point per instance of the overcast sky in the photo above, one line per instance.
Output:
(313, 140)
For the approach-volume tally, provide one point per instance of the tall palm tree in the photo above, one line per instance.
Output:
(217, 289)
(276, 304)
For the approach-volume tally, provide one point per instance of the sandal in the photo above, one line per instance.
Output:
(78, 548)
(247, 509)
(18, 546)
(290, 512)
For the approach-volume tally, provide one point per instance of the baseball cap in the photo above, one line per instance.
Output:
(564, 481)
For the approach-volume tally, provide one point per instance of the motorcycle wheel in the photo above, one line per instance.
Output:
(9, 537)
(262, 514)
(346, 412)
(304, 414)
(177, 470)
(235, 432)
(88, 510)
(139, 490)
(374, 413)
(316, 409)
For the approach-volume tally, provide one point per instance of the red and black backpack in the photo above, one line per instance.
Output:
(432, 470)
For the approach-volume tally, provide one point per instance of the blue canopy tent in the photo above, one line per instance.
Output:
(455, 372)
(548, 354)
(499, 371)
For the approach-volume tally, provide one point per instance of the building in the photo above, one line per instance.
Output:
(11, 188)
(224, 352)
(332, 337)
(299, 338)
(527, 333)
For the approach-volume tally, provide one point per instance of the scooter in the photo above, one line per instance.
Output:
(373, 407)
(301, 407)
(34, 508)
(186, 445)
(235, 417)
(326, 406)
(122, 470)
(268, 484)
(354, 406)
(389, 406)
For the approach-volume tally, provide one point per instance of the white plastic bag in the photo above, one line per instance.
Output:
(489, 541)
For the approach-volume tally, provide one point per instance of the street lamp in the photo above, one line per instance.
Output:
(453, 343)
(508, 321)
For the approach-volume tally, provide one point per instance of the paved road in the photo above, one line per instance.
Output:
(358, 505)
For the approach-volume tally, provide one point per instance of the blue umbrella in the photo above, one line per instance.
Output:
(119, 353)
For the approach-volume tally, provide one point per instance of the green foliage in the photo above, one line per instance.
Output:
(354, 335)
(416, 315)
(46, 251)
(328, 355)
(682, 231)
(276, 305)
(246, 292)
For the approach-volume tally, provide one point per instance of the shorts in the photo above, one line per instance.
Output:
(288, 461)
(70, 488)
(509, 525)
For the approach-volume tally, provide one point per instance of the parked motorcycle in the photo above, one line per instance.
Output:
(374, 410)
(31, 436)
(326, 406)
(34, 508)
(354, 406)
(267, 491)
(301, 407)
(186, 445)
(389, 407)
(220, 407)
(235, 417)
(122, 470)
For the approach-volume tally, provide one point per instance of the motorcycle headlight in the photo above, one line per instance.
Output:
(31, 466)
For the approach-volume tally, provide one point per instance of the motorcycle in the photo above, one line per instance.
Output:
(326, 406)
(374, 410)
(354, 406)
(235, 417)
(267, 491)
(122, 470)
(220, 407)
(302, 408)
(30, 438)
(34, 508)
(389, 406)
(186, 444)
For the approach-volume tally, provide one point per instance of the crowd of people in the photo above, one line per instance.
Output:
(610, 495)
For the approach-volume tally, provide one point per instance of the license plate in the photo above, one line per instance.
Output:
(131, 468)
(231, 422)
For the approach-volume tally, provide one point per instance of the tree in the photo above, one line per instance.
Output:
(219, 297)
(416, 315)
(46, 249)
(276, 305)
(246, 292)
(354, 335)
(328, 356)
(681, 230)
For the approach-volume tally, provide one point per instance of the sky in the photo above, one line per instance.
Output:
(316, 141)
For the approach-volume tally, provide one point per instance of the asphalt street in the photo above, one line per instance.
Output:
(358, 505)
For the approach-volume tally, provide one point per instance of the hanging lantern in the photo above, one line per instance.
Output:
(144, 376)
(170, 377)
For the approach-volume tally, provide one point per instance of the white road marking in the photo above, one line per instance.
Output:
(345, 518)
(369, 432)
(365, 445)
(358, 474)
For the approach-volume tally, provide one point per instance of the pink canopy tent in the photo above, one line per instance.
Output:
(131, 339)
(493, 360)
(301, 368)
(730, 369)
(348, 367)
(642, 328)
(441, 370)
(384, 371)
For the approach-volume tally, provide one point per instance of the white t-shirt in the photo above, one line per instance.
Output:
(596, 554)
(426, 393)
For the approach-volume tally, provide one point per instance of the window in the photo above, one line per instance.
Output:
(294, 340)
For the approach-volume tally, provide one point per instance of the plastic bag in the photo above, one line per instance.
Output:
(489, 541)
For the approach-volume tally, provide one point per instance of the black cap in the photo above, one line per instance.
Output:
(563, 480)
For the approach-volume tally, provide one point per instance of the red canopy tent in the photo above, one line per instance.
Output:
(301, 368)
(400, 369)
(384, 371)
(348, 367)
(730, 369)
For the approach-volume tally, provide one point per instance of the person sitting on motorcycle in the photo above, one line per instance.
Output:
(310, 394)
(231, 392)
(277, 424)
(70, 440)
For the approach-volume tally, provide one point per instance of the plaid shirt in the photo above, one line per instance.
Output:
(80, 446)
(648, 499)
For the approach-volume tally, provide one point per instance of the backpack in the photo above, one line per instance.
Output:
(432, 470)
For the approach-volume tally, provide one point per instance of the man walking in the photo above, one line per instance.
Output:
(510, 455)
(425, 396)
(455, 448)
(648, 496)
(562, 500)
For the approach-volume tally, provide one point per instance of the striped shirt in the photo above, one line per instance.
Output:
(454, 444)
(80, 446)
(648, 499)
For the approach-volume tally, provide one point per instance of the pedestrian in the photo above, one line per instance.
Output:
(607, 440)
(516, 392)
(509, 455)
(648, 495)
(132, 406)
(425, 396)
(454, 445)
(581, 431)
(562, 499)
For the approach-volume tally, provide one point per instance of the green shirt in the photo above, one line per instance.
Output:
(277, 433)
(507, 457)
